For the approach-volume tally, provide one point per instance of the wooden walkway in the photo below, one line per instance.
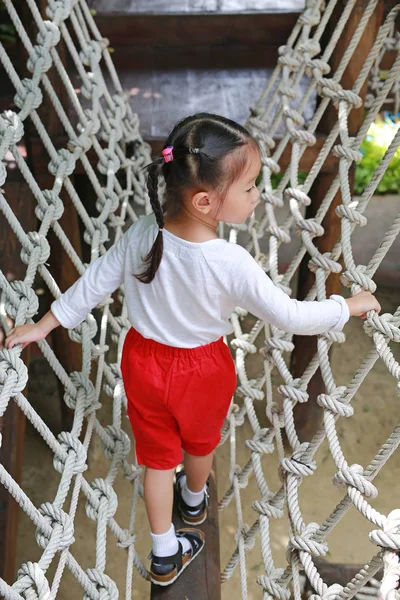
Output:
(196, 6)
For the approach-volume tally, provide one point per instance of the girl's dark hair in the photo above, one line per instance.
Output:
(201, 144)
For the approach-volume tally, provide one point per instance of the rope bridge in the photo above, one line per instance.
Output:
(102, 140)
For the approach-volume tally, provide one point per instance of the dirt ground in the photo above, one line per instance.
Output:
(376, 406)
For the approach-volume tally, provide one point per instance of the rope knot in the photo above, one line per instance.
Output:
(108, 202)
(28, 97)
(13, 376)
(296, 464)
(39, 61)
(389, 536)
(335, 404)
(262, 442)
(305, 543)
(280, 233)
(30, 575)
(242, 343)
(129, 540)
(121, 444)
(311, 47)
(333, 591)
(59, 10)
(242, 533)
(310, 17)
(293, 392)
(271, 586)
(385, 324)
(277, 343)
(11, 127)
(63, 165)
(267, 509)
(62, 535)
(50, 37)
(357, 276)
(270, 163)
(323, 261)
(102, 502)
(25, 302)
(90, 55)
(39, 251)
(106, 588)
(347, 152)
(353, 215)
(354, 475)
(84, 395)
(86, 329)
(334, 336)
(249, 391)
(273, 198)
(109, 163)
(76, 451)
(99, 235)
(235, 473)
(50, 206)
(297, 194)
(310, 225)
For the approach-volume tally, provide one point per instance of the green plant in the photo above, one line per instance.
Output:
(373, 149)
(7, 29)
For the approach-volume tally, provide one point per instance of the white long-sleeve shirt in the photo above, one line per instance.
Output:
(194, 292)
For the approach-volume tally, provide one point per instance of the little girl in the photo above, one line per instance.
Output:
(181, 285)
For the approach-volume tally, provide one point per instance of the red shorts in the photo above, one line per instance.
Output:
(177, 398)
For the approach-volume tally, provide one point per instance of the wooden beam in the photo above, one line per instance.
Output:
(12, 424)
(340, 573)
(196, 29)
(41, 159)
(201, 580)
(308, 416)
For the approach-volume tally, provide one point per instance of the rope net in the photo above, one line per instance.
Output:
(99, 123)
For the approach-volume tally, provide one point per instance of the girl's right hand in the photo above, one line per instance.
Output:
(361, 303)
(24, 334)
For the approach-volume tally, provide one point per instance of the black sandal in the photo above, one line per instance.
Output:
(164, 570)
(191, 515)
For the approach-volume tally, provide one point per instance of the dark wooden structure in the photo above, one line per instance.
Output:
(308, 416)
(201, 580)
(12, 424)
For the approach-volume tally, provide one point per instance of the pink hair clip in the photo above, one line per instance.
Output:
(167, 154)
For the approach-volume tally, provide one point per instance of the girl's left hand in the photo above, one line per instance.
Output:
(361, 303)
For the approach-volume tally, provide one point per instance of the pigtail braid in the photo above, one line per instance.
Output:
(153, 259)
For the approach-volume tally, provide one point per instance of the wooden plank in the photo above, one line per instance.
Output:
(12, 424)
(133, 7)
(201, 580)
(306, 161)
(308, 416)
(188, 30)
(202, 56)
(331, 573)
(41, 160)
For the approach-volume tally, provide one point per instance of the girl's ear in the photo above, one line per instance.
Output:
(201, 201)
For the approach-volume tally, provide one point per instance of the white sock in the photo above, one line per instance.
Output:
(166, 544)
(191, 498)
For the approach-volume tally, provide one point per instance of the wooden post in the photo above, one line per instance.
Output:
(12, 424)
(308, 416)
(61, 267)
(201, 580)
